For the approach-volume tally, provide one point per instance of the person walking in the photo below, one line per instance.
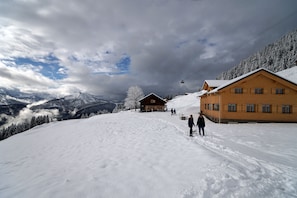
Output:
(201, 124)
(191, 124)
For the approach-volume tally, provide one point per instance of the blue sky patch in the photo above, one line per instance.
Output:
(48, 66)
(123, 65)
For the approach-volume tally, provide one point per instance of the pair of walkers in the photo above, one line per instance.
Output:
(200, 124)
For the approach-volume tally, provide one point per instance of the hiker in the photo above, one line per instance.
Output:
(171, 111)
(191, 124)
(201, 123)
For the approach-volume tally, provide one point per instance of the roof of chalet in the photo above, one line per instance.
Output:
(215, 83)
(150, 95)
(290, 74)
(229, 82)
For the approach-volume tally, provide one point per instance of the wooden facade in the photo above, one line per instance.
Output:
(259, 96)
(152, 102)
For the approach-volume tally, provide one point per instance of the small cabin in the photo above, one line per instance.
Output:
(152, 102)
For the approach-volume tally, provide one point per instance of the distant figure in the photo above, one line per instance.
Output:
(172, 112)
(191, 124)
(201, 123)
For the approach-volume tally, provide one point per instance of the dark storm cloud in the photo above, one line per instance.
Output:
(166, 41)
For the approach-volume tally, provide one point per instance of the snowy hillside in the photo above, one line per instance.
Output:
(274, 57)
(132, 154)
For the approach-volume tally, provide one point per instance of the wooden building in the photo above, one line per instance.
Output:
(258, 96)
(152, 102)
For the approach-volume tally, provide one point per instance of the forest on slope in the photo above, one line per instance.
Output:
(275, 57)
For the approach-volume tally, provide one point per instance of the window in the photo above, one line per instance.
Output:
(153, 101)
(259, 91)
(209, 106)
(238, 90)
(279, 91)
(216, 107)
(232, 108)
(286, 109)
(266, 108)
(250, 108)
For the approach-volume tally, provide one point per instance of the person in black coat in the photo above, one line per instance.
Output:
(201, 124)
(191, 124)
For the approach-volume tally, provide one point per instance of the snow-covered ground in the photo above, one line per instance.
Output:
(132, 154)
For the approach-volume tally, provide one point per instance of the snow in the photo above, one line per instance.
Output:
(216, 83)
(132, 154)
(290, 74)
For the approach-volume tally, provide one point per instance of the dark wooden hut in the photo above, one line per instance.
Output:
(152, 102)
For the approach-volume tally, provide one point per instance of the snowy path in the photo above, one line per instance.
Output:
(132, 154)
(248, 171)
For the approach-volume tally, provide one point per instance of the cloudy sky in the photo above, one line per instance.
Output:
(106, 46)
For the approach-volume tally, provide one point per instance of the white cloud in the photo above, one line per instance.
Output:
(90, 37)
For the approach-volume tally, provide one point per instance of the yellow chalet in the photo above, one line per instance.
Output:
(258, 96)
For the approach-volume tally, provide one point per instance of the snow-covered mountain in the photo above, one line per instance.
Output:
(14, 96)
(12, 101)
(275, 57)
(133, 154)
(78, 105)
(13, 104)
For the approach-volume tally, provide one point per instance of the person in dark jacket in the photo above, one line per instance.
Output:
(191, 124)
(201, 124)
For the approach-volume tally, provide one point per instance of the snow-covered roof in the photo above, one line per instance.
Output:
(236, 79)
(215, 83)
(246, 75)
(150, 95)
(290, 74)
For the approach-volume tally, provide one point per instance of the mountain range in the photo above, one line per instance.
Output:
(14, 102)
(77, 106)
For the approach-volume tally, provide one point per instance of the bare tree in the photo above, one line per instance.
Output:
(134, 94)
